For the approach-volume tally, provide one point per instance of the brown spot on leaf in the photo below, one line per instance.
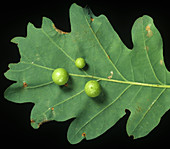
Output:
(147, 48)
(92, 19)
(43, 122)
(25, 84)
(66, 85)
(148, 29)
(161, 61)
(138, 109)
(109, 77)
(58, 30)
(83, 134)
(32, 121)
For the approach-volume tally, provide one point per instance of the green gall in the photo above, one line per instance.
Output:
(60, 76)
(92, 88)
(80, 62)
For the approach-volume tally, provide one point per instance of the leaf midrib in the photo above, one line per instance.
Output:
(99, 79)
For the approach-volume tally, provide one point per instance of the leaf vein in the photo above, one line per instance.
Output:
(97, 114)
(63, 101)
(149, 108)
(40, 85)
(37, 65)
(56, 45)
(103, 48)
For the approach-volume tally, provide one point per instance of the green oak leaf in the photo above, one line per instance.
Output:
(135, 79)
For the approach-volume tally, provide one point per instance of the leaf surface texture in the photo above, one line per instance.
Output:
(134, 79)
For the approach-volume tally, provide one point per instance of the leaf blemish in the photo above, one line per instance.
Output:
(25, 84)
(139, 85)
(111, 73)
(148, 29)
(32, 121)
(66, 85)
(92, 19)
(109, 77)
(161, 62)
(43, 122)
(58, 30)
(83, 134)
(147, 48)
(138, 109)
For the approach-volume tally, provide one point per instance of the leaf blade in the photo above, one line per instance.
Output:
(125, 75)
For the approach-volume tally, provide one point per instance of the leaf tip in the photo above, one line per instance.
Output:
(74, 7)
(34, 124)
(30, 27)
(13, 40)
(147, 17)
(45, 19)
(16, 39)
(74, 138)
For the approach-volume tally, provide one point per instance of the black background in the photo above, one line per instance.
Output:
(15, 126)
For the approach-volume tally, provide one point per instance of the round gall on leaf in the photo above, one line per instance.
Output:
(80, 62)
(60, 76)
(92, 88)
